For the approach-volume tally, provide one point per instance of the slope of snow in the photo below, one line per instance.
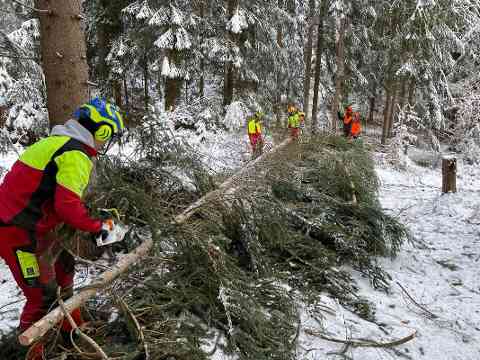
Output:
(435, 290)
(439, 272)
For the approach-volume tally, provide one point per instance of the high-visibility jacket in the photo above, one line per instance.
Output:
(347, 118)
(254, 127)
(294, 120)
(45, 185)
(356, 125)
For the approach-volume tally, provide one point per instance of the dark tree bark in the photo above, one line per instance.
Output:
(371, 112)
(392, 112)
(117, 93)
(63, 57)
(386, 112)
(201, 83)
(318, 67)
(145, 82)
(229, 76)
(340, 61)
(172, 93)
(279, 105)
(411, 91)
(449, 175)
(125, 89)
(308, 61)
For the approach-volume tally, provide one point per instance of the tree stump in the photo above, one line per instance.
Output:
(449, 175)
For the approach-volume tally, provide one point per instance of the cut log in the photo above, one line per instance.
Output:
(449, 175)
(188, 212)
(40, 328)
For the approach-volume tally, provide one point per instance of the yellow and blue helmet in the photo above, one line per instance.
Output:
(101, 118)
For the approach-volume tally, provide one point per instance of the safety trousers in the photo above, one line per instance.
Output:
(39, 266)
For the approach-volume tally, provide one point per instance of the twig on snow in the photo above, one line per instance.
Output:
(364, 342)
(427, 312)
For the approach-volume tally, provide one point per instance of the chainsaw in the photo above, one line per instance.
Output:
(116, 229)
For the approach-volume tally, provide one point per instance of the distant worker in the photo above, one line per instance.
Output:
(294, 122)
(347, 120)
(356, 125)
(255, 133)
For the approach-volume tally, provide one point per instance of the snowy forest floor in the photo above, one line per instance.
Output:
(434, 288)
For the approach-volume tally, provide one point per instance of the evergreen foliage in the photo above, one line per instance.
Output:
(231, 278)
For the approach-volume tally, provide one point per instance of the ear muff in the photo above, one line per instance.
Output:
(103, 133)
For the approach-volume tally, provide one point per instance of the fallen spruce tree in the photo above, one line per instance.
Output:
(230, 277)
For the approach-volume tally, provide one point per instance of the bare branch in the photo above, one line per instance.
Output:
(18, 57)
(40, 11)
(76, 330)
(364, 342)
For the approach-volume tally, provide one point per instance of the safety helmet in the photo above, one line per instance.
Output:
(301, 113)
(291, 108)
(101, 118)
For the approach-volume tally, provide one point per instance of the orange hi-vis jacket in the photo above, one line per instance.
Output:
(356, 125)
(347, 118)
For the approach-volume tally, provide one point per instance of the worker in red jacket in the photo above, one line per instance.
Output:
(43, 189)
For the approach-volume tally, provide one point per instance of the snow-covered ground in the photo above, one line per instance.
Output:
(435, 290)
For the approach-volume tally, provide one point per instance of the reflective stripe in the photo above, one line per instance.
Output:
(74, 169)
(28, 264)
(39, 154)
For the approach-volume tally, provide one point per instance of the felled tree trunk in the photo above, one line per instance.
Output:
(40, 328)
(63, 57)
(227, 185)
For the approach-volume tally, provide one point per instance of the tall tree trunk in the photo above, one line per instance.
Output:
(308, 61)
(340, 61)
(279, 104)
(386, 112)
(393, 110)
(172, 93)
(64, 57)
(371, 112)
(145, 83)
(117, 92)
(229, 75)
(411, 92)
(125, 89)
(403, 93)
(201, 86)
(318, 68)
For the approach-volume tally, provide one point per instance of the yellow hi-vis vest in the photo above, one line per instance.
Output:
(294, 120)
(254, 127)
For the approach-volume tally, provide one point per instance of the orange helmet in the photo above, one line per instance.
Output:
(291, 108)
